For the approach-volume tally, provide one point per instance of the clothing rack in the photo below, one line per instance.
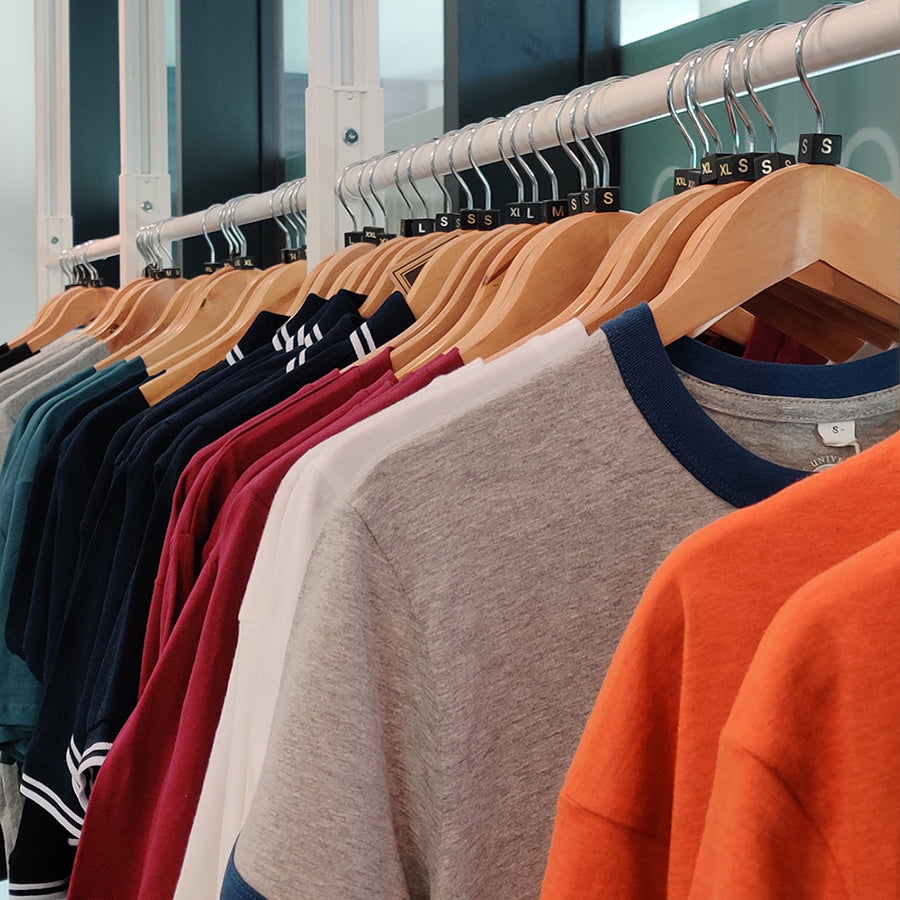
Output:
(849, 36)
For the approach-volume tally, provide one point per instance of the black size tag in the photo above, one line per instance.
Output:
(709, 167)
(416, 227)
(242, 262)
(554, 210)
(488, 219)
(292, 255)
(736, 168)
(352, 237)
(447, 221)
(384, 237)
(523, 214)
(820, 149)
(150, 272)
(210, 267)
(468, 219)
(685, 179)
(98, 282)
(606, 199)
(767, 163)
(370, 233)
(575, 202)
(171, 272)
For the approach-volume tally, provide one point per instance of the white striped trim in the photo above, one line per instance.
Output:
(301, 357)
(292, 364)
(42, 886)
(364, 331)
(317, 333)
(289, 343)
(276, 341)
(97, 745)
(42, 795)
(55, 894)
(356, 343)
(78, 786)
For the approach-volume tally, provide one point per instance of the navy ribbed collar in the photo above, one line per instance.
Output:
(697, 442)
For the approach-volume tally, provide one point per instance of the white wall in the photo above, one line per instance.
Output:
(17, 169)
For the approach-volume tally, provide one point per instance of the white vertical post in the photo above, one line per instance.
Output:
(144, 188)
(52, 144)
(344, 109)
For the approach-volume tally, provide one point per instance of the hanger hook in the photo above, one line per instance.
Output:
(670, 103)
(294, 230)
(223, 228)
(234, 227)
(412, 152)
(554, 184)
(755, 42)
(470, 204)
(801, 67)
(474, 165)
(157, 233)
(362, 195)
(691, 111)
(520, 185)
(397, 157)
(732, 104)
(604, 159)
(295, 212)
(448, 203)
(64, 266)
(574, 96)
(692, 87)
(206, 237)
(339, 190)
(535, 190)
(281, 226)
(370, 175)
(579, 141)
(92, 272)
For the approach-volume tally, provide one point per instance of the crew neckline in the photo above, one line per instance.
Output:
(731, 471)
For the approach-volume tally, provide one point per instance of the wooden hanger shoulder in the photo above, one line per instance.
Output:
(325, 278)
(78, 310)
(773, 230)
(543, 278)
(480, 279)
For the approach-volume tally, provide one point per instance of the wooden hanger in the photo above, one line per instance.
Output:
(326, 277)
(206, 309)
(148, 307)
(459, 307)
(775, 229)
(475, 294)
(73, 312)
(541, 281)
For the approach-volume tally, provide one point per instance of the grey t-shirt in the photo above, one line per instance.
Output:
(462, 605)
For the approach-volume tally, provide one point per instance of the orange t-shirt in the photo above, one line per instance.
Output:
(806, 799)
(630, 816)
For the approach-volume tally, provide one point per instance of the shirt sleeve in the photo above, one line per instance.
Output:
(349, 760)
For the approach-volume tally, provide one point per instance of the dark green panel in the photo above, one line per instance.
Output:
(227, 112)
(94, 118)
(859, 102)
(503, 54)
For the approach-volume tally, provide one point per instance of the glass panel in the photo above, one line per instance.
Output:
(292, 88)
(860, 102)
(642, 18)
(411, 59)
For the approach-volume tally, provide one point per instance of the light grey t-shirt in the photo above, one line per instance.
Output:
(463, 603)
(21, 374)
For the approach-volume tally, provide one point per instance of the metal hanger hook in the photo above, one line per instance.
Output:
(448, 202)
(294, 211)
(470, 204)
(535, 190)
(692, 88)
(361, 192)
(575, 96)
(397, 157)
(554, 184)
(520, 185)
(604, 159)
(370, 173)
(412, 183)
(474, 165)
(752, 44)
(281, 226)
(156, 233)
(206, 237)
(339, 190)
(670, 103)
(732, 104)
(801, 67)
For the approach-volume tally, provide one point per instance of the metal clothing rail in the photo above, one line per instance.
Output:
(848, 36)
(845, 37)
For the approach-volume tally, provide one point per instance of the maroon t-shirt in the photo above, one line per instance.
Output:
(139, 817)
